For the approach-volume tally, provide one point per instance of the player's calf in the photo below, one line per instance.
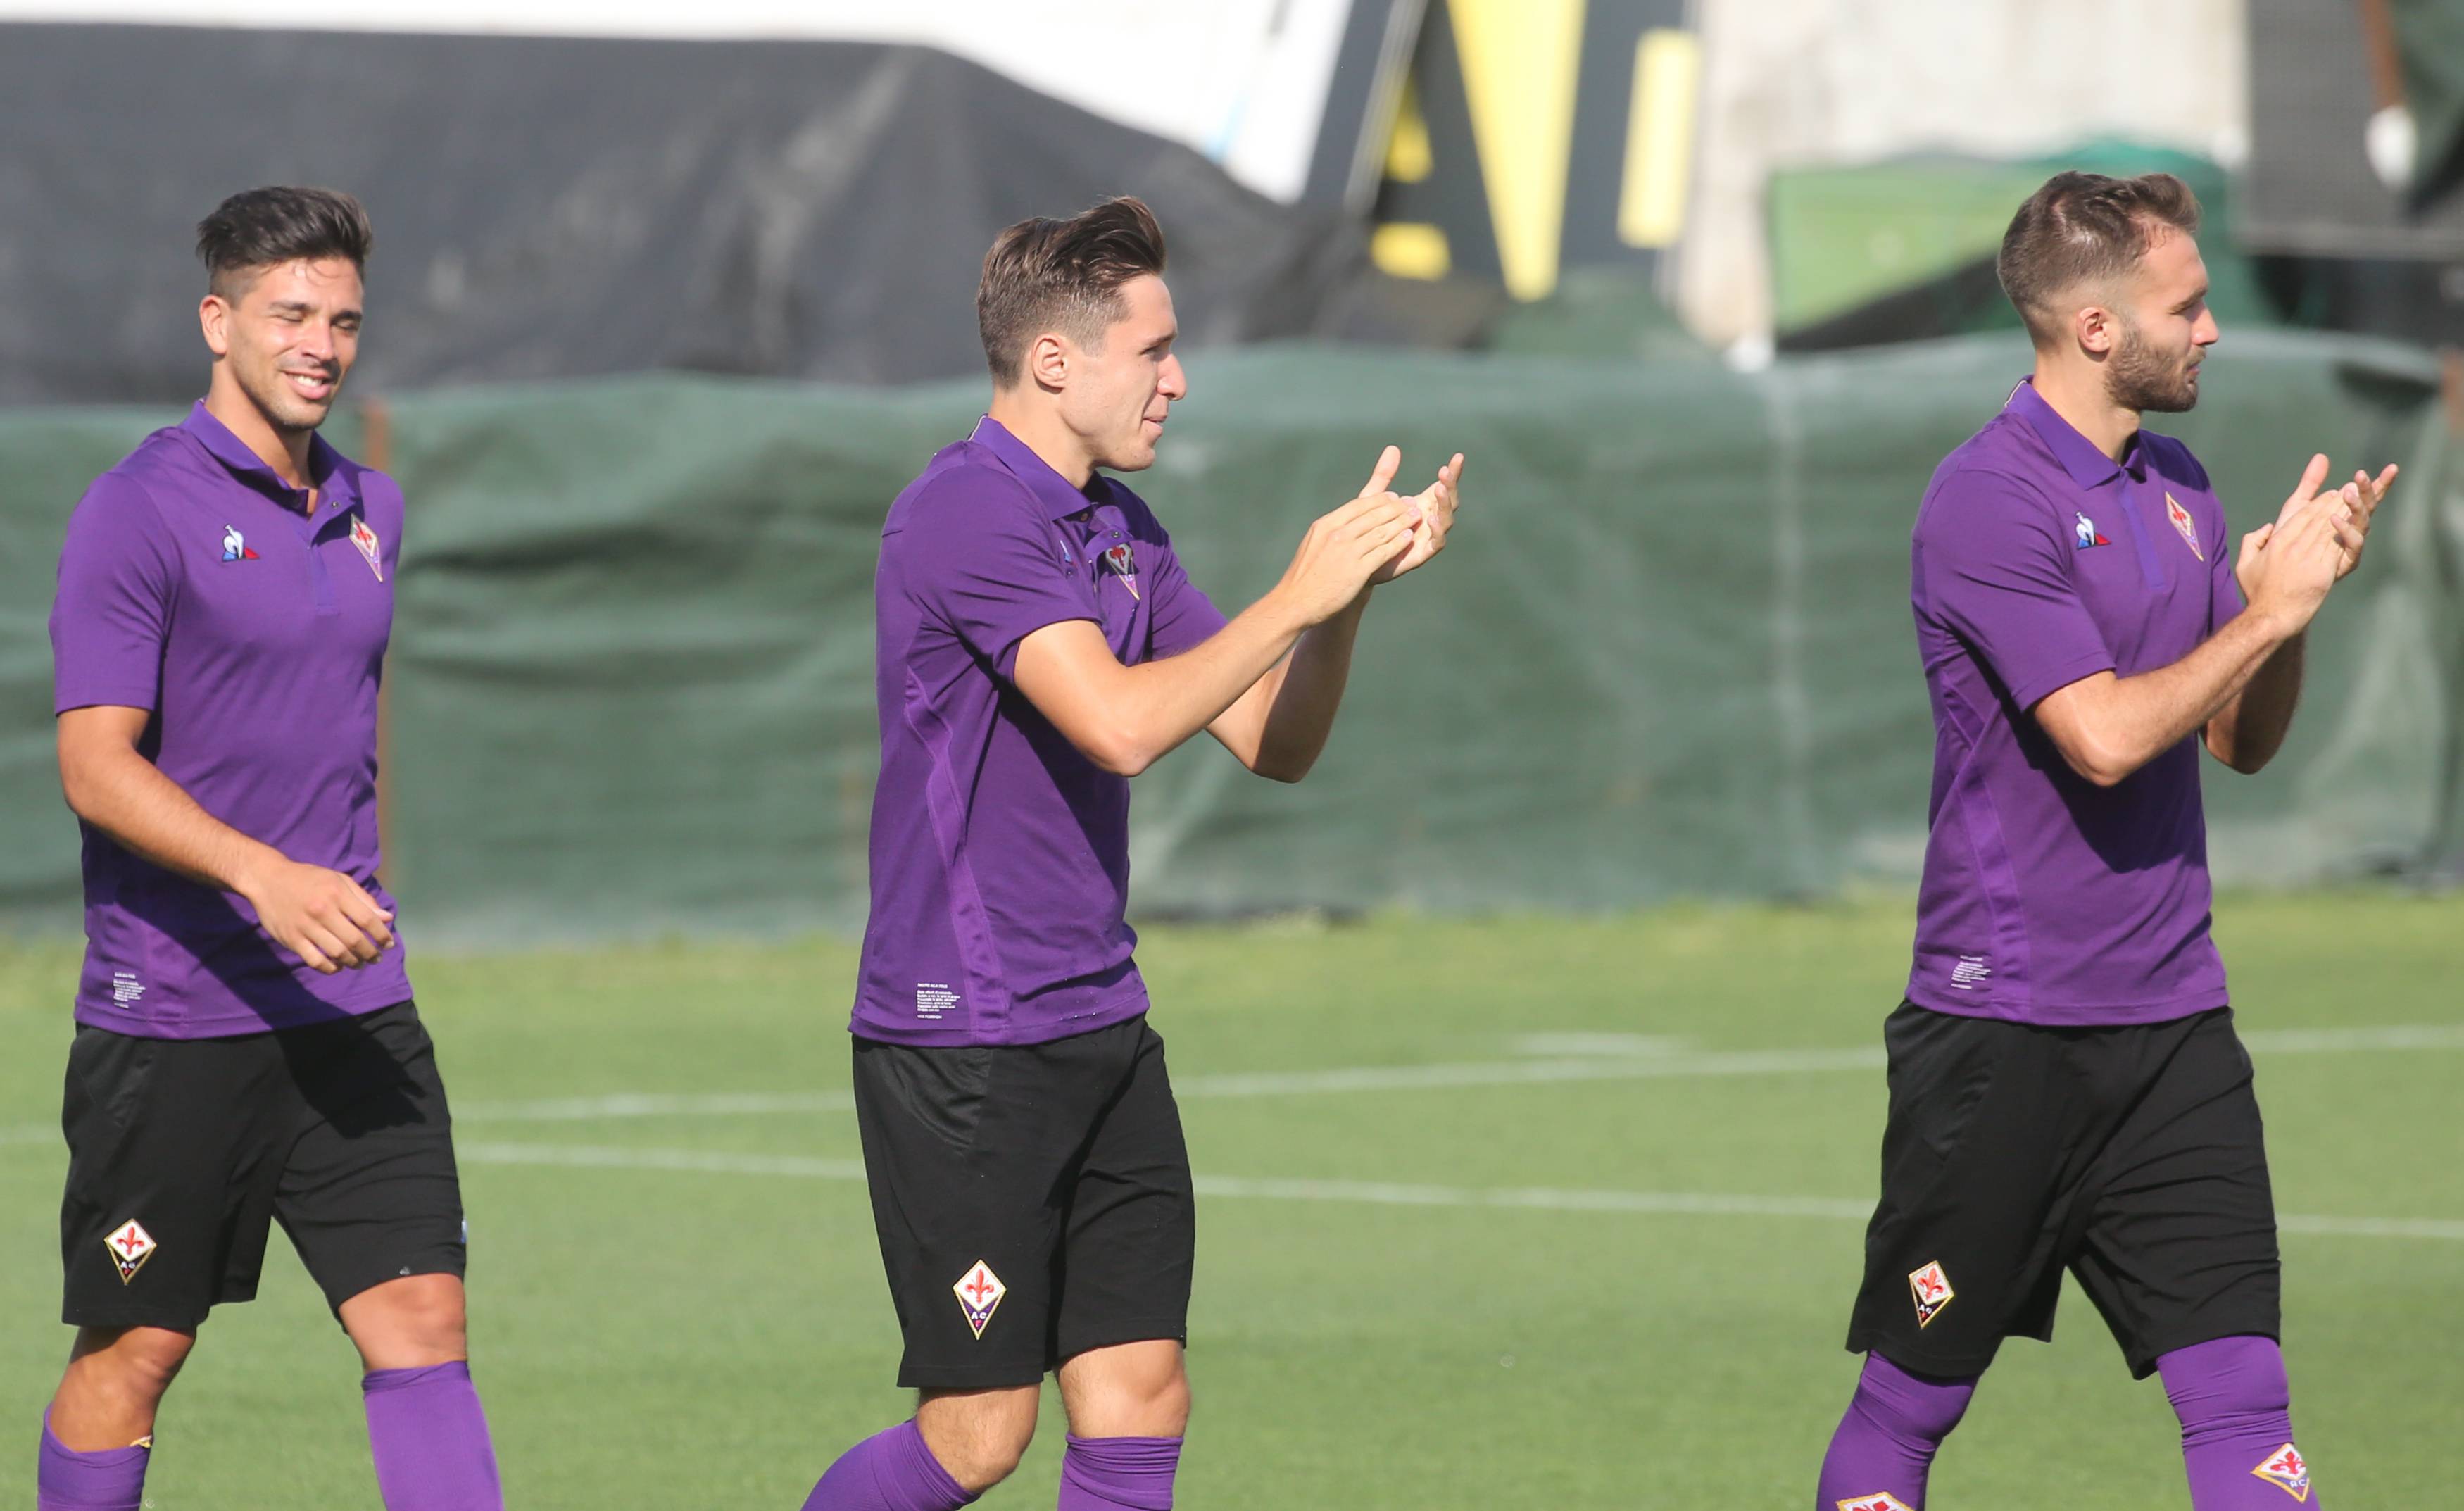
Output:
(116, 1379)
(1128, 1405)
(2237, 1411)
(426, 1430)
(959, 1445)
(1882, 1453)
(98, 1434)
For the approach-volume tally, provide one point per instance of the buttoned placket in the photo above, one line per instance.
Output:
(2134, 505)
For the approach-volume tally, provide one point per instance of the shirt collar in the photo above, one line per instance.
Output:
(333, 481)
(1052, 490)
(2087, 464)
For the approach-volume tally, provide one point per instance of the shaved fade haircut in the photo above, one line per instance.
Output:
(2085, 228)
(264, 228)
(1062, 275)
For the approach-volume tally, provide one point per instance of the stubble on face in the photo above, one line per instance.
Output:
(2139, 377)
(284, 359)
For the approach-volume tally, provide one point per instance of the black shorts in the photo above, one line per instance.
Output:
(181, 1150)
(2133, 1157)
(1033, 1201)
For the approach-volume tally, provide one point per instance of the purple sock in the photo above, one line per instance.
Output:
(891, 1471)
(1884, 1448)
(65, 1479)
(2237, 1411)
(430, 1440)
(1118, 1474)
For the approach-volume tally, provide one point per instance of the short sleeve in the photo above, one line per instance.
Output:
(1993, 569)
(980, 557)
(112, 615)
(1180, 615)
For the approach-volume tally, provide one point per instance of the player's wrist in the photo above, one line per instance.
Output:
(2276, 620)
(253, 870)
(1287, 610)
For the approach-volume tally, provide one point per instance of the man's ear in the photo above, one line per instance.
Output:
(2098, 330)
(1050, 358)
(213, 319)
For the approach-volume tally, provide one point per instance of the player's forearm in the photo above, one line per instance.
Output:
(2133, 720)
(127, 798)
(1307, 695)
(1159, 704)
(2248, 731)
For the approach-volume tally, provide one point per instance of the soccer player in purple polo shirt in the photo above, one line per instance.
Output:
(1039, 644)
(2066, 1089)
(246, 1049)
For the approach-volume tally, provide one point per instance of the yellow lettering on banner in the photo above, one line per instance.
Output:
(1409, 159)
(1660, 137)
(1519, 63)
(1406, 249)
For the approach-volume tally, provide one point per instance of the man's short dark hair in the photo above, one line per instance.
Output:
(2084, 228)
(263, 228)
(1062, 275)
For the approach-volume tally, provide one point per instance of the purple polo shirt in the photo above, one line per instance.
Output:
(2040, 561)
(193, 585)
(1000, 855)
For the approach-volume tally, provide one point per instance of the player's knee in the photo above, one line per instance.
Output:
(135, 1364)
(1166, 1407)
(1139, 1404)
(409, 1323)
(979, 1437)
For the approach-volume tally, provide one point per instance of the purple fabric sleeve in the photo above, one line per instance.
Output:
(117, 583)
(984, 563)
(1182, 616)
(1994, 566)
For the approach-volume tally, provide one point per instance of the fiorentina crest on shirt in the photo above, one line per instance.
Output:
(980, 1292)
(130, 1246)
(2288, 1471)
(1122, 563)
(369, 547)
(1931, 1290)
(2182, 522)
(1884, 1502)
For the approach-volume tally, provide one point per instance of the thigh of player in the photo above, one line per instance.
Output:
(969, 1151)
(1962, 1251)
(2180, 1247)
(371, 1191)
(1132, 1236)
(175, 1147)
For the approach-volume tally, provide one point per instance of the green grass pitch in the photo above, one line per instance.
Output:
(1521, 1212)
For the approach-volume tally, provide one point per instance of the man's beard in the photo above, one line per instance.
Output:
(2139, 378)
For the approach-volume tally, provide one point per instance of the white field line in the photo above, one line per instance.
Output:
(1366, 1194)
(1577, 1058)
(1568, 1057)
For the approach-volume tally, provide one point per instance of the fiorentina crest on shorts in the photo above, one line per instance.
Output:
(1931, 1290)
(2288, 1471)
(1123, 564)
(369, 547)
(1885, 1501)
(980, 1292)
(2182, 522)
(130, 1246)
